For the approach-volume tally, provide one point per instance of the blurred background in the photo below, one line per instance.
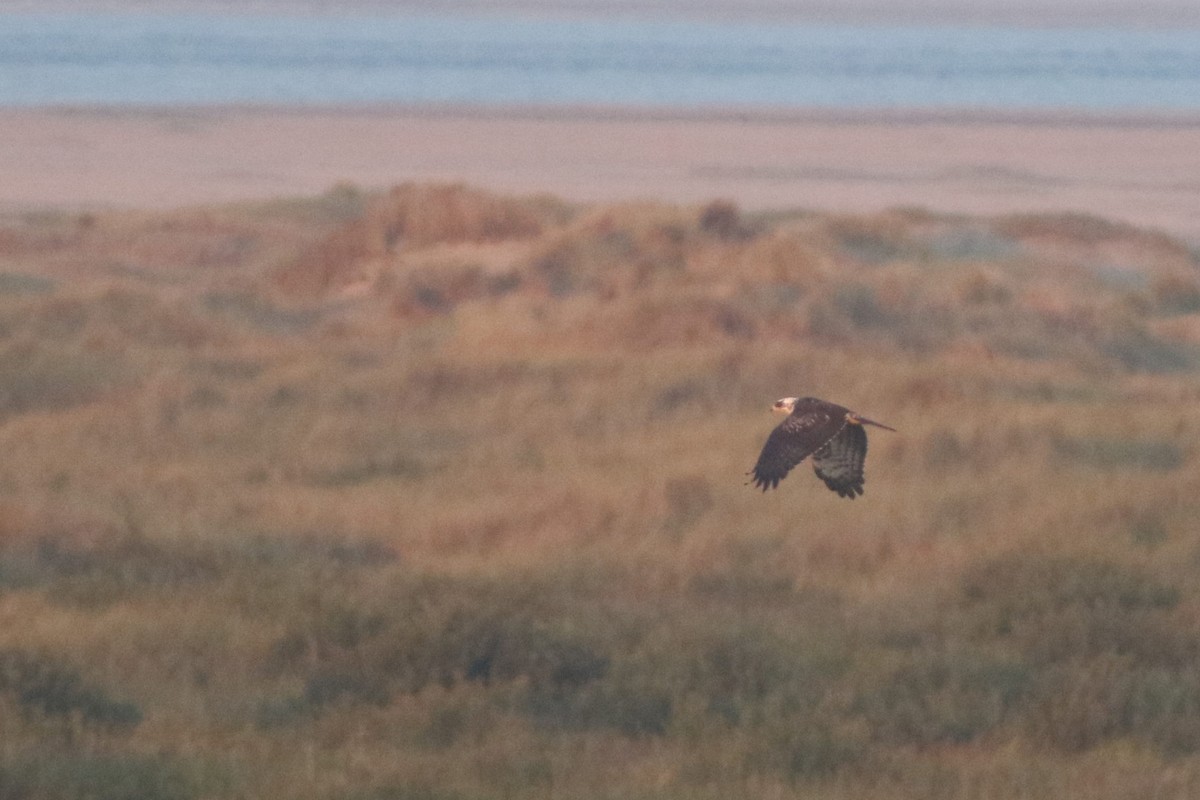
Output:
(377, 387)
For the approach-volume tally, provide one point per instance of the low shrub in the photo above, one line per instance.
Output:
(107, 777)
(49, 687)
(945, 698)
(44, 378)
(355, 655)
(1115, 453)
(630, 703)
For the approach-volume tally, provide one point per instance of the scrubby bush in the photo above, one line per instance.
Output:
(106, 778)
(103, 570)
(40, 378)
(1114, 453)
(361, 656)
(1177, 294)
(49, 687)
(721, 218)
(939, 698)
(403, 792)
(1111, 657)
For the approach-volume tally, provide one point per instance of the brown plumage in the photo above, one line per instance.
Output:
(832, 435)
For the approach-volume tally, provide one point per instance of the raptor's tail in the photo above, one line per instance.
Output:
(857, 420)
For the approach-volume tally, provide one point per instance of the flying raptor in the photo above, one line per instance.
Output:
(834, 436)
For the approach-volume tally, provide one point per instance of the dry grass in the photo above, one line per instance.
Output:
(440, 495)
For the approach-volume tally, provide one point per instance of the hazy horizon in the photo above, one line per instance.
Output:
(1087, 13)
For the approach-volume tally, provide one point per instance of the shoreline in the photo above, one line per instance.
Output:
(1132, 167)
(1059, 117)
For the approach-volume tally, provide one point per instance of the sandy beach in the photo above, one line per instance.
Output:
(1137, 169)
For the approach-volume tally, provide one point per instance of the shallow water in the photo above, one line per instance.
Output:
(172, 59)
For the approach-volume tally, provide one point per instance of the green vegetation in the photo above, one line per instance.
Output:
(439, 495)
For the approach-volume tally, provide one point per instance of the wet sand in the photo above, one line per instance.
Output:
(1144, 170)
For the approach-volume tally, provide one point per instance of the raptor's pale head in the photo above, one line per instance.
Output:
(785, 405)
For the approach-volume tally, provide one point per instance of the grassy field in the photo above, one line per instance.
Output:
(438, 495)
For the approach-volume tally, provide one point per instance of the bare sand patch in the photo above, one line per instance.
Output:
(1136, 169)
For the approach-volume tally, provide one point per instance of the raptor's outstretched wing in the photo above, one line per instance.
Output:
(840, 462)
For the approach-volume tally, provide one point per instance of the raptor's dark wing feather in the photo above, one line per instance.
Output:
(840, 462)
(792, 441)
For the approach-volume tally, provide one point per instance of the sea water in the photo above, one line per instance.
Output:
(187, 58)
